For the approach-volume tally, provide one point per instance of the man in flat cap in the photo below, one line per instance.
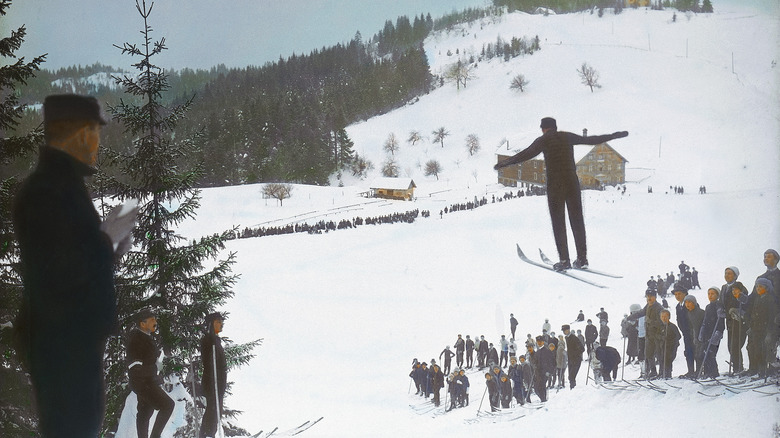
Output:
(67, 262)
(145, 380)
(563, 186)
(214, 379)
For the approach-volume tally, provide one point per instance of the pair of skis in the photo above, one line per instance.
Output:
(548, 265)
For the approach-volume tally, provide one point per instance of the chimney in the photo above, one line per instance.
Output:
(585, 132)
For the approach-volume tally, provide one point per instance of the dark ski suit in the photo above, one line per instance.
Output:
(575, 350)
(142, 354)
(543, 361)
(69, 304)
(563, 186)
(211, 351)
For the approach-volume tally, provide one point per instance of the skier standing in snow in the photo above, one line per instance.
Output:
(145, 380)
(762, 338)
(492, 389)
(670, 341)
(653, 336)
(464, 383)
(563, 186)
(711, 333)
(736, 306)
(492, 356)
(515, 374)
(67, 266)
(505, 391)
(603, 316)
(574, 349)
(683, 323)
(561, 361)
(772, 273)
(214, 379)
(695, 321)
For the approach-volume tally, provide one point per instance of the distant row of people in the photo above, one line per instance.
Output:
(324, 227)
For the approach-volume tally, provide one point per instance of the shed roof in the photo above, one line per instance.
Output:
(393, 183)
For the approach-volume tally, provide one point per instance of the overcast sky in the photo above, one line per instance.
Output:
(203, 33)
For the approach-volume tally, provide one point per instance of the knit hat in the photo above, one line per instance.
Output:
(549, 123)
(650, 293)
(635, 308)
(766, 283)
(690, 298)
(734, 270)
(773, 252)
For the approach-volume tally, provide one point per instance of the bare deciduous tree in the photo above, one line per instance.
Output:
(278, 191)
(472, 144)
(414, 137)
(519, 82)
(391, 144)
(460, 73)
(589, 76)
(439, 134)
(390, 168)
(432, 167)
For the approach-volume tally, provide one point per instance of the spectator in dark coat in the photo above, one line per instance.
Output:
(214, 379)
(469, 352)
(505, 391)
(543, 363)
(711, 332)
(515, 374)
(448, 355)
(684, 325)
(437, 383)
(669, 342)
(736, 313)
(591, 334)
(695, 321)
(460, 348)
(492, 358)
(762, 338)
(493, 392)
(574, 349)
(145, 380)
(772, 273)
(610, 361)
(512, 324)
(603, 332)
(563, 186)
(67, 266)
(482, 352)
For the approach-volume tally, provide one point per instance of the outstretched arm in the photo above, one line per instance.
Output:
(595, 139)
(526, 154)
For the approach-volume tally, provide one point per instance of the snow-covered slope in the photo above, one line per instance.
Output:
(344, 313)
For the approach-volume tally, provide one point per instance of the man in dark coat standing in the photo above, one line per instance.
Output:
(67, 260)
(684, 325)
(145, 380)
(575, 349)
(563, 185)
(543, 363)
(214, 379)
(591, 334)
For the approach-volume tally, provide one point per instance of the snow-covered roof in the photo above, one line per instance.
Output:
(393, 183)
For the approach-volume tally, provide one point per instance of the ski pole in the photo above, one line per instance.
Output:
(623, 370)
(482, 400)
(218, 413)
(587, 375)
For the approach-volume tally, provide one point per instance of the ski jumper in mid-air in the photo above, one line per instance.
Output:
(563, 186)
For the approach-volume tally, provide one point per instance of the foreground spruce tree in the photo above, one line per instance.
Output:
(163, 271)
(17, 417)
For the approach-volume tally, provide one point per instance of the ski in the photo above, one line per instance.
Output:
(524, 258)
(306, 427)
(547, 260)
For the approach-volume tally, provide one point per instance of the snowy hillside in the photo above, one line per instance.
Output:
(343, 313)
